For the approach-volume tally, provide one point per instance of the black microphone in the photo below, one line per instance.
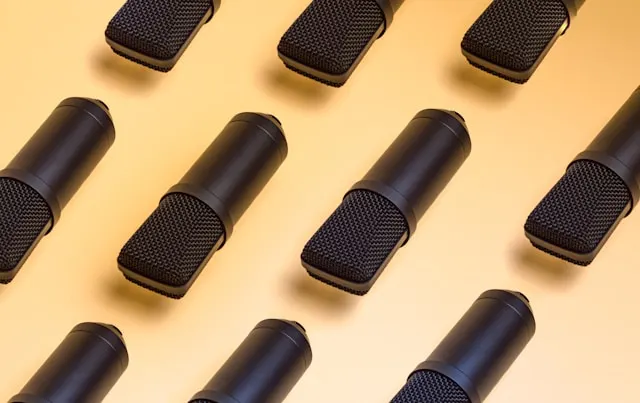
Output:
(380, 213)
(155, 33)
(330, 38)
(512, 37)
(264, 368)
(196, 217)
(83, 369)
(43, 177)
(600, 187)
(477, 352)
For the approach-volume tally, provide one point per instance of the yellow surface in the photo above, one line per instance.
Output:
(586, 348)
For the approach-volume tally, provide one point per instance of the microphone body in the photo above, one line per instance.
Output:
(264, 368)
(381, 212)
(46, 173)
(330, 38)
(83, 369)
(512, 37)
(477, 352)
(600, 188)
(196, 216)
(155, 33)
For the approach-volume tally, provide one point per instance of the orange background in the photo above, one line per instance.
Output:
(586, 347)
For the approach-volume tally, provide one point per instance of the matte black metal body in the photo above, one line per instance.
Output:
(64, 151)
(236, 166)
(264, 368)
(617, 146)
(484, 343)
(419, 163)
(83, 369)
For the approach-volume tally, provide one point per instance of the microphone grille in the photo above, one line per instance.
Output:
(24, 215)
(357, 239)
(580, 209)
(514, 33)
(430, 387)
(156, 28)
(330, 34)
(173, 242)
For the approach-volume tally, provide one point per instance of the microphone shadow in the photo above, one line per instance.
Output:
(544, 268)
(122, 72)
(295, 87)
(467, 78)
(134, 297)
(306, 290)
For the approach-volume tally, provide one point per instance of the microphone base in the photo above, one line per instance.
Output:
(352, 287)
(174, 292)
(332, 80)
(161, 65)
(517, 77)
(580, 259)
(7, 276)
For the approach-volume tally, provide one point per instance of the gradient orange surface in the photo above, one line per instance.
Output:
(586, 348)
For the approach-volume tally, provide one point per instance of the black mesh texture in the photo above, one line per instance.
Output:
(173, 242)
(430, 387)
(156, 28)
(357, 238)
(24, 215)
(514, 33)
(330, 34)
(580, 209)
(201, 401)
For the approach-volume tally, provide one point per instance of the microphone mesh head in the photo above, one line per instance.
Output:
(24, 215)
(330, 35)
(430, 387)
(513, 34)
(357, 239)
(173, 242)
(580, 209)
(156, 28)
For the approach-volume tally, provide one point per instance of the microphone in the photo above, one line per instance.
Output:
(43, 177)
(380, 213)
(155, 33)
(600, 187)
(264, 368)
(477, 352)
(83, 369)
(329, 39)
(195, 218)
(512, 37)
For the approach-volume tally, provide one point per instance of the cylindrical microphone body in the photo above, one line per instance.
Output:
(331, 37)
(264, 368)
(600, 187)
(512, 37)
(46, 173)
(83, 369)
(470, 361)
(381, 212)
(196, 216)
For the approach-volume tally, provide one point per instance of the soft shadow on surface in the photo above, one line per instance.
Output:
(298, 88)
(467, 78)
(545, 268)
(303, 288)
(121, 291)
(123, 72)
